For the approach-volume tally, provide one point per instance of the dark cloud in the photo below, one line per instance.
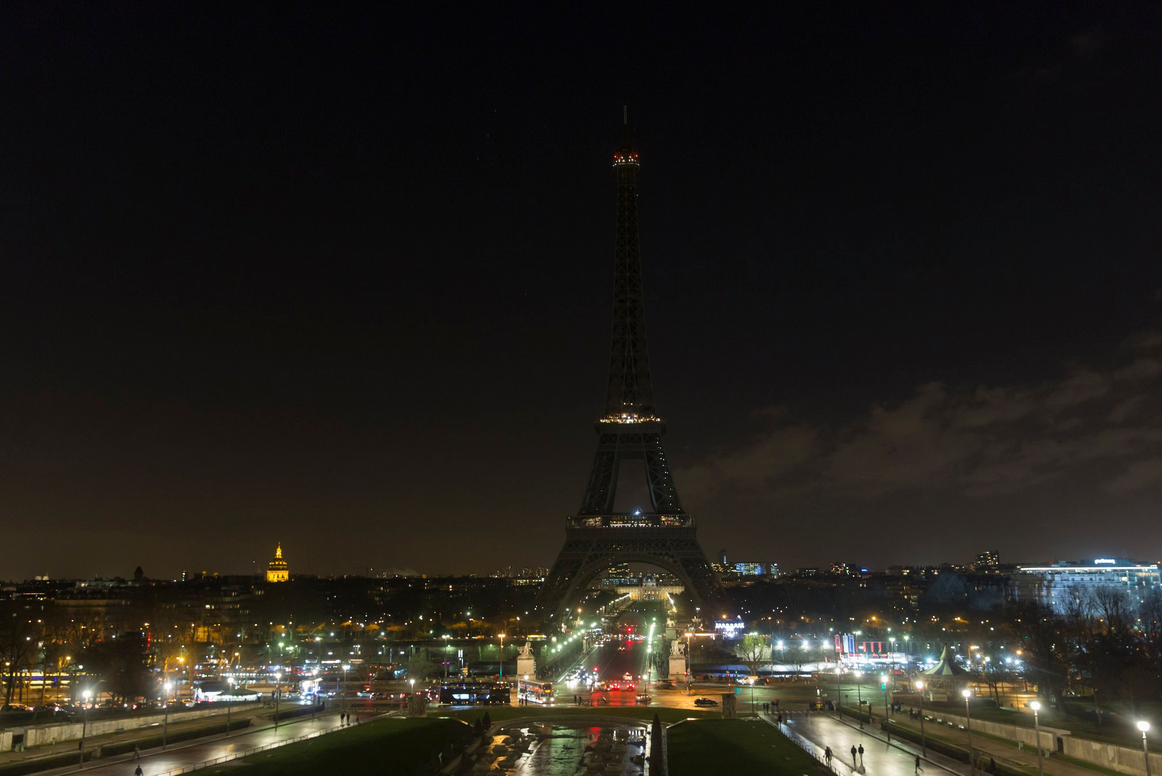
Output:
(984, 441)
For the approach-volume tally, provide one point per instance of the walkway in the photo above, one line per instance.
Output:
(879, 758)
(158, 761)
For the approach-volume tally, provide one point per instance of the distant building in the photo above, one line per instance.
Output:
(1065, 585)
(277, 570)
(989, 559)
(755, 568)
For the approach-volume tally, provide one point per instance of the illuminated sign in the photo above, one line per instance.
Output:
(1105, 561)
(729, 629)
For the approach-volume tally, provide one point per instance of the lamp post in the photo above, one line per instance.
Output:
(229, 705)
(967, 693)
(859, 697)
(346, 690)
(887, 715)
(1036, 707)
(277, 695)
(923, 741)
(85, 722)
(1143, 725)
(501, 637)
(838, 693)
(165, 727)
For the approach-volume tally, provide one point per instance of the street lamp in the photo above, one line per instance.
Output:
(229, 705)
(887, 715)
(277, 695)
(165, 728)
(1036, 706)
(967, 693)
(923, 741)
(1143, 725)
(501, 637)
(859, 697)
(85, 722)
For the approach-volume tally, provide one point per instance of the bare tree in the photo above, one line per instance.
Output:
(753, 651)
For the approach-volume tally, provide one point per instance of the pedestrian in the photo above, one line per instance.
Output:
(919, 767)
(776, 703)
(136, 752)
(853, 764)
(827, 755)
(861, 755)
(137, 771)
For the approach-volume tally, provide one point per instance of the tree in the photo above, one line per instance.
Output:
(753, 651)
(121, 667)
(17, 646)
(1047, 644)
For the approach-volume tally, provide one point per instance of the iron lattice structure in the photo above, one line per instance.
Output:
(598, 537)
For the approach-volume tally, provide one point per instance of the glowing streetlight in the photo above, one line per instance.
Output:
(887, 715)
(277, 695)
(923, 741)
(85, 723)
(501, 637)
(967, 693)
(1036, 707)
(1144, 726)
(165, 729)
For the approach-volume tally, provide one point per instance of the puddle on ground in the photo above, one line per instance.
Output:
(564, 750)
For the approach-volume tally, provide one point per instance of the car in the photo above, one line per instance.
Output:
(627, 677)
(705, 702)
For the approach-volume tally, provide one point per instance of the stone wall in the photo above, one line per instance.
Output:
(40, 735)
(1123, 759)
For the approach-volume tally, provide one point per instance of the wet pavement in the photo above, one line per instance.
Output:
(563, 749)
(158, 761)
(878, 758)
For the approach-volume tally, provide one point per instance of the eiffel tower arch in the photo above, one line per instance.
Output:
(630, 429)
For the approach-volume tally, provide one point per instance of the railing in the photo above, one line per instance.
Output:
(835, 765)
(247, 752)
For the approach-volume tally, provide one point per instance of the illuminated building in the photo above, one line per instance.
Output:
(277, 570)
(1064, 584)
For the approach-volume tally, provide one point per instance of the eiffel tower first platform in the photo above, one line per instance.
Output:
(598, 537)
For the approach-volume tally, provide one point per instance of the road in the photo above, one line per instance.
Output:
(157, 761)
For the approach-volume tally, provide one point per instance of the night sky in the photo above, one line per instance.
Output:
(341, 275)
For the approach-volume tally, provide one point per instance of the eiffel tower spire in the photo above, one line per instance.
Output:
(630, 393)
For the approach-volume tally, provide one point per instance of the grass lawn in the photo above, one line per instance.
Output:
(388, 747)
(639, 713)
(707, 746)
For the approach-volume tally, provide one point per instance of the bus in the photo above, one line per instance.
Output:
(531, 691)
(472, 693)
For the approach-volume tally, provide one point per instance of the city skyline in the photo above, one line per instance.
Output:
(908, 295)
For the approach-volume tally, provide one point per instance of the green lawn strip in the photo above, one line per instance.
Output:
(638, 713)
(699, 747)
(1083, 764)
(387, 747)
(957, 750)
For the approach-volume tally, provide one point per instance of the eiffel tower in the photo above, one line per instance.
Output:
(597, 537)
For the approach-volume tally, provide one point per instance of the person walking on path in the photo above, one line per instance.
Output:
(136, 752)
(919, 767)
(853, 763)
(861, 755)
(137, 771)
(827, 755)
